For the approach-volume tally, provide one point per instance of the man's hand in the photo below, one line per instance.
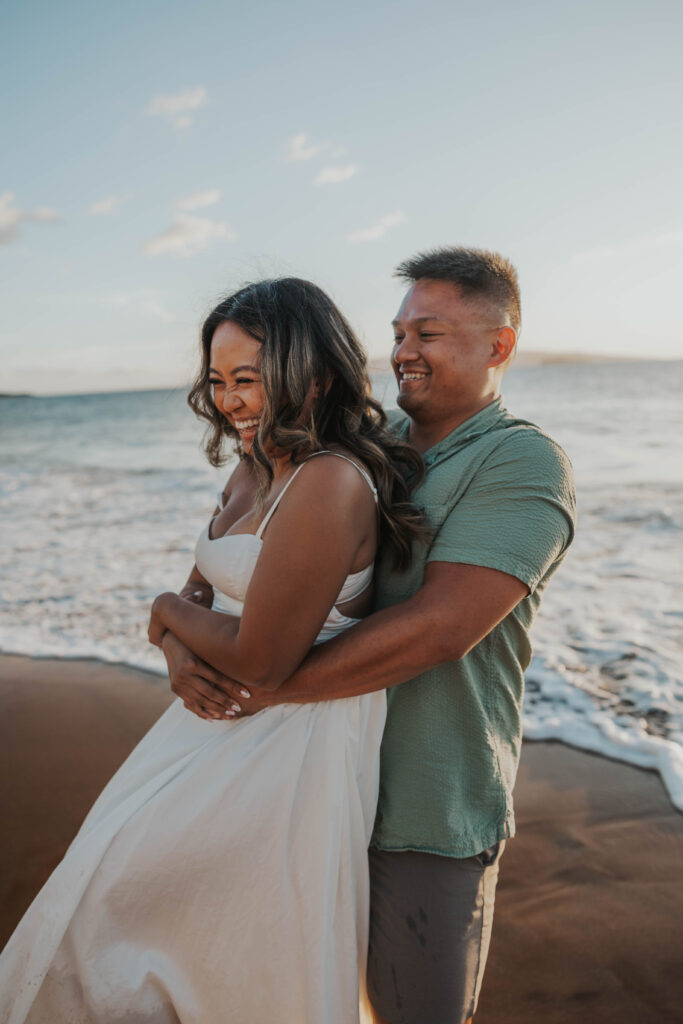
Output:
(202, 689)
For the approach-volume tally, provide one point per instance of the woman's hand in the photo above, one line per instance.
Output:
(197, 593)
(202, 689)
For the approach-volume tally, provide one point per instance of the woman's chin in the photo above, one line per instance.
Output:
(247, 441)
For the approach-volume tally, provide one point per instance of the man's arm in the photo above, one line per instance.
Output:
(456, 607)
(516, 516)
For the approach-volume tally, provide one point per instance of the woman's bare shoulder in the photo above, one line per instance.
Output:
(335, 477)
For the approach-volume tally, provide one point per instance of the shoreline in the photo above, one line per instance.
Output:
(156, 676)
(589, 903)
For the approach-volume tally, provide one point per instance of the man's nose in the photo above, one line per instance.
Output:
(405, 350)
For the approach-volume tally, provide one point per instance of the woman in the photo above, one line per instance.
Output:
(222, 873)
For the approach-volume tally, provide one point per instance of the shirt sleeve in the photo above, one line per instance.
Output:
(518, 512)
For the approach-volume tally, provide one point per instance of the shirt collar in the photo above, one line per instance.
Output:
(486, 419)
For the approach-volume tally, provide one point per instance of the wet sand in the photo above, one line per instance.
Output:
(590, 903)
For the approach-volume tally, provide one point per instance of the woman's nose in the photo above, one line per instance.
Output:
(230, 401)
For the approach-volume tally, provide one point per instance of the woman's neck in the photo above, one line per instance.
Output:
(282, 466)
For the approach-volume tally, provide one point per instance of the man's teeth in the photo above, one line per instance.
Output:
(413, 376)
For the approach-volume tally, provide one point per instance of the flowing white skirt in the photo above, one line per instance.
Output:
(220, 876)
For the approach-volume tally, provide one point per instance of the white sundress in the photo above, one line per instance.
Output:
(222, 873)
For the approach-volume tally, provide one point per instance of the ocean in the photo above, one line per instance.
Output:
(103, 496)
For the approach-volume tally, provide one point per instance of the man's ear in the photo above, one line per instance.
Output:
(503, 346)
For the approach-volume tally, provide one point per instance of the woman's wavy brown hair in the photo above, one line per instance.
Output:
(306, 341)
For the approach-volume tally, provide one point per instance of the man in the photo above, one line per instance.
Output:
(453, 630)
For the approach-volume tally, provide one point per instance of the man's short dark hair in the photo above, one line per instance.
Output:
(477, 272)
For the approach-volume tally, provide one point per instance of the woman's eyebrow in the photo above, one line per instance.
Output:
(235, 369)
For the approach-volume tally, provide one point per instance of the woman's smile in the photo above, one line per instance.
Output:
(235, 378)
(246, 428)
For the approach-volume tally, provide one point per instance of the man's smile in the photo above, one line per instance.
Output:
(409, 379)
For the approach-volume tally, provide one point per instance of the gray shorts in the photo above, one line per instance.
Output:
(430, 926)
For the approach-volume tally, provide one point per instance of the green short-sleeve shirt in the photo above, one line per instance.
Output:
(497, 493)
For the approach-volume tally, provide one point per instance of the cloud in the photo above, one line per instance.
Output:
(187, 236)
(179, 108)
(634, 247)
(159, 312)
(333, 175)
(377, 230)
(110, 204)
(299, 147)
(199, 199)
(11, 217)
(145, 300)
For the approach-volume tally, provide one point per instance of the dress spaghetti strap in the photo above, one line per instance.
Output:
(363, 472)
(266, 519)
(366, 476)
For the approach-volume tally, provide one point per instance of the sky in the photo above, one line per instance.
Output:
(156, 155)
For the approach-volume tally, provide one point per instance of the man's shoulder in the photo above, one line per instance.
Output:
(522, 441)
(510, 442)
(519, 433)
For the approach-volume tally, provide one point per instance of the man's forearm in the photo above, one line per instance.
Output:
(457, 606)
(389, 647)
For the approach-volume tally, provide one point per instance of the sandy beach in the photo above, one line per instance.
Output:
(590, 904)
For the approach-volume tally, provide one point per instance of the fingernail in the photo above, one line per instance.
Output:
(245, 693)
(229, 714)
(235, 707)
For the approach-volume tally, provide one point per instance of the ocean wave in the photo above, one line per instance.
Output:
(103, 497)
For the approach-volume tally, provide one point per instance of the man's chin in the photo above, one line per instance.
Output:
(405, 402)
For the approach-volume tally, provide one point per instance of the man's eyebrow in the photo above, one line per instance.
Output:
(418, 320)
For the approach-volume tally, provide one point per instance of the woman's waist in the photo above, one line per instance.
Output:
(335, 623)
(226, 603)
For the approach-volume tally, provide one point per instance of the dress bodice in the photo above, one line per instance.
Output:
(228, 562)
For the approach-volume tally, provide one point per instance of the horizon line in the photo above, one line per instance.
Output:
(527, 359)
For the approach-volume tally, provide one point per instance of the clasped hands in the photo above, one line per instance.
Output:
(203, 689)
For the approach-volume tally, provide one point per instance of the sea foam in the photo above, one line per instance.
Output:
(103, 497)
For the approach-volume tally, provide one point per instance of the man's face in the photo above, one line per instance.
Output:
(443, 346)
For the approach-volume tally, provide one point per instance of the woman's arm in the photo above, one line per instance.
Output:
(196, 682)
(326, 518)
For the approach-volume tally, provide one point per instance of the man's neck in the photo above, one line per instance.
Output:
(424, 435)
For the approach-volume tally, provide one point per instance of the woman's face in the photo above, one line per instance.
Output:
(234, 374)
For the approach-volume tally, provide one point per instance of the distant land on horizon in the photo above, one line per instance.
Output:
(381, 364)
(540, 357)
